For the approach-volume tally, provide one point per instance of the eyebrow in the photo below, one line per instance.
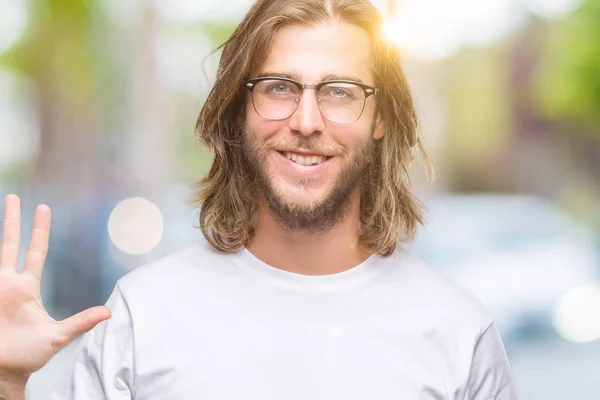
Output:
(334, 77)
(296, 76)
(268, 74)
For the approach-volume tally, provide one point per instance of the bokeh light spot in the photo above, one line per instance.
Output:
(577, 314)
(135, 226)
(13, 21)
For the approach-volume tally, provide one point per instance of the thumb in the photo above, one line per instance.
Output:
(82, 322)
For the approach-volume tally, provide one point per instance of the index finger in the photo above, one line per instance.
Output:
(11, 233)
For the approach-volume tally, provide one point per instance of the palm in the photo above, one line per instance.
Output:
(29, 337)
(27, 330)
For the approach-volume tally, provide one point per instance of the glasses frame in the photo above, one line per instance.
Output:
(368, 90)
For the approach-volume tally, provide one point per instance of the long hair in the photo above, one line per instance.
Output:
(228, 197)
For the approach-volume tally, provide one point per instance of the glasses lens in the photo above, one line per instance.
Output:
(342, 103)
(275, 99)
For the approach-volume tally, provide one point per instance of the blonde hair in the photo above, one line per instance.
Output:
(227, 196)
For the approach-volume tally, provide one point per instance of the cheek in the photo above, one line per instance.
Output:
(351, 135)
(261, 128)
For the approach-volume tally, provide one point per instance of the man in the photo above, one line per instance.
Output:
(301, 289)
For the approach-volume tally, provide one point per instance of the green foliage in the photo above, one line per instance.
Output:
(219, 32)
(475, 91)
(568, 84)
(58, 46)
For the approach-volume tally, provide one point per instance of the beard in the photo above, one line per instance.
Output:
(316, 217)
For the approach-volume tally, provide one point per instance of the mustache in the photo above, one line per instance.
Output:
(292, 144)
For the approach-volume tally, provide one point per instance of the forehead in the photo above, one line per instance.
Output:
(314, 53)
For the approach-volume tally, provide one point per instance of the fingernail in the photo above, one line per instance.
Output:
(11, 199)
(43, 208)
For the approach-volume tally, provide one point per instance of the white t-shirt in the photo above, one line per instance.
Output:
(198, 324)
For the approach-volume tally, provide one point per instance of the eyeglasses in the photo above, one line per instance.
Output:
(340, 101)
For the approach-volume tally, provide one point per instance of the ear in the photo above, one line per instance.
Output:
(379, 129)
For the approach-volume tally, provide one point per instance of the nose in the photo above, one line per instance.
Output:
(307, 119)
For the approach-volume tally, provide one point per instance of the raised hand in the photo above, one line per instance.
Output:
(29, 337)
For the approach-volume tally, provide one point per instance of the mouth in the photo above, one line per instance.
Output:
(305, 159)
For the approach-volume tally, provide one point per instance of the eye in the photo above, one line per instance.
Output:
(278, 88)
(339, 92)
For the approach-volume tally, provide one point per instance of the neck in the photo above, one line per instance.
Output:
(320, 254)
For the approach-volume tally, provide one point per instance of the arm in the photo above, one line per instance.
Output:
(29, 337)
(490, 377)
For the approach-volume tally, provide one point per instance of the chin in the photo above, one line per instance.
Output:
(304, 198)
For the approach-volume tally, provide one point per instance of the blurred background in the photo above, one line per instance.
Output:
(98, 103)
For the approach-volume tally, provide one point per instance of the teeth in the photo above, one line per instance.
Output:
(304, 160)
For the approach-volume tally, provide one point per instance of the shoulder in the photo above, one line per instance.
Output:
(188, 268)
(435, 296)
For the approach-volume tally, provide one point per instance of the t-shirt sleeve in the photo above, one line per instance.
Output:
(103, 363)
(490, 377)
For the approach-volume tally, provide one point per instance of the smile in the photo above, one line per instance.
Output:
(304, 159)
